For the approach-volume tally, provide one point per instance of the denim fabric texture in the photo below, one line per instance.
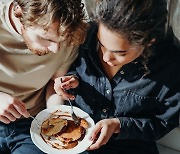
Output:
(15, 138)
(148, 106)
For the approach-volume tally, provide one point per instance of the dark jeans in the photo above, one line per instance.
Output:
(15, 138)
(126, 147)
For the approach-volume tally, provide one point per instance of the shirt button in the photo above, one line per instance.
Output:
(108, 91)
(104, 110)
(122, 72)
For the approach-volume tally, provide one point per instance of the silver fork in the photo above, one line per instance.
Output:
(36, 120)
(74, 116)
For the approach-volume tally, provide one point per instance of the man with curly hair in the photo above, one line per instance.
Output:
(38, 41)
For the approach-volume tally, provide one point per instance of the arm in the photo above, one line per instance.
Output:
(51, 97)
(146, 129)
(152, 128)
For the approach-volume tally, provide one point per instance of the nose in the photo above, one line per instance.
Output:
(107, 56)
(54, 47)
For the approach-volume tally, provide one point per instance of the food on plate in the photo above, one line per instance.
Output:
(72, 132)
(53, 126)
(61, 132)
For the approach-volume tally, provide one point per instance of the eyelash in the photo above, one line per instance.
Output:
(44, 39)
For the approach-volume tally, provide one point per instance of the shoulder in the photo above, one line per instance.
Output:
(166, 60)
(167, 50)
(163, 66)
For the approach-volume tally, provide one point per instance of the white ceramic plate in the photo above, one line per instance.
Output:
(45, 114)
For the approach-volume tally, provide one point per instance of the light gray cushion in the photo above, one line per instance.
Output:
(175, 19)
(166, 150)
(172, 139)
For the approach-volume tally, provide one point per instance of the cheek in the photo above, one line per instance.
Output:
(121, 59)
(35, 42)
(129, 58)
(32, 37)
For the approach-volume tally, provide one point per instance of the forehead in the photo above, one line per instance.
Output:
(52, 28)
(51, 33)
(111, 39)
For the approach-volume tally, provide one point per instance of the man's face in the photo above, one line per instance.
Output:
(41, 41)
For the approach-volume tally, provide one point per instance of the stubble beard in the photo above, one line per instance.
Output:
(38, 52)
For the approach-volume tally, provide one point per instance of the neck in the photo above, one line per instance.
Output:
(15, 22)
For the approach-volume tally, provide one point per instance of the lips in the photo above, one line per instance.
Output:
(111, 64)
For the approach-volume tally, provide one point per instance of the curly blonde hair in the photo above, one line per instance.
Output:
(70, 14)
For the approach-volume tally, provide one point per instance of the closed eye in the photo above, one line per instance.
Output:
(45, 39)
(114, 51)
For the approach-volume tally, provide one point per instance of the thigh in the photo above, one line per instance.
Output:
(20, 140)
(3, 147)
(101, 151)
(125, 147)
(26, 147)
(3, 136)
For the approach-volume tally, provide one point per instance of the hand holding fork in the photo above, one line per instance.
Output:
(73, 115)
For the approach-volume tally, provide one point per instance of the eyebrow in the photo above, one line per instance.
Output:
(110, 50)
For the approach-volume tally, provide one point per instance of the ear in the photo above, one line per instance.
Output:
(151, 42)
(17, 11)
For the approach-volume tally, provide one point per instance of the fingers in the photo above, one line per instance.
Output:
(13, 111)
(98, 136)
(100, 141)
(64, 95)
(7, 118)
(61, 84)
(21, 109)
(11, 108)
(67, 82)
(95, 132)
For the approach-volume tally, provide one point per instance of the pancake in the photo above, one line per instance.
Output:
(72, 132)
(61, 132)
(53, 126)
(84, 123)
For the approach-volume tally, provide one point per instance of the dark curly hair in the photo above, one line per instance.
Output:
(70, 13)
(139, 21)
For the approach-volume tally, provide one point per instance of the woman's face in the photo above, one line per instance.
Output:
(116, 50)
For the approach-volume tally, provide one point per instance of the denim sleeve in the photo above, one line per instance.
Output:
(163, 119)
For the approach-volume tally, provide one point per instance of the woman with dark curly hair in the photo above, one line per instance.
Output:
(126, 77)
(38, 40)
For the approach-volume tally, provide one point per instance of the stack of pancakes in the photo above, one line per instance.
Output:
(64, 130)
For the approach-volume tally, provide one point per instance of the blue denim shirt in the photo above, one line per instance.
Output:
(148, 106)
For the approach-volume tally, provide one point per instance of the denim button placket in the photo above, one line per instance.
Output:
(121, 72)
(108, 91)
(104, 110)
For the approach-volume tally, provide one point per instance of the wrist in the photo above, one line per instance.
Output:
(54, 100)
(117, 125)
